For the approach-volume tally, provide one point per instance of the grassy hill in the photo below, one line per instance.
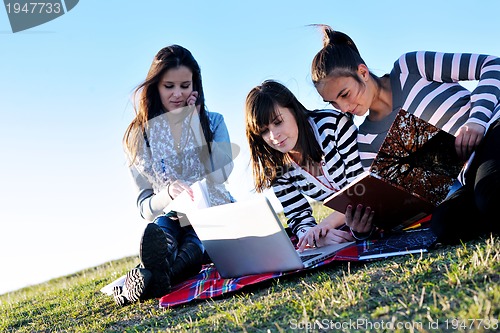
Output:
(454, 288)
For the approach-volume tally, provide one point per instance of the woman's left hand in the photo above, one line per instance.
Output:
(359, 221)
(467, 139)
(191, 100)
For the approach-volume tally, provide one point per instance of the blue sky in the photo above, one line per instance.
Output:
(66, 200)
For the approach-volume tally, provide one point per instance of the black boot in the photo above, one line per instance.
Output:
(133, 289)
(120, 296)
(187, 263)
(136, 282)
(157, 254)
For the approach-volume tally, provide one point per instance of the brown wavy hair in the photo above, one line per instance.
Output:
(147, 102)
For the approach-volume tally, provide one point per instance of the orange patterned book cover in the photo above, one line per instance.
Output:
(411, 174)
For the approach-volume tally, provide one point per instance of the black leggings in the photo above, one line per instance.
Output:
(472, 210)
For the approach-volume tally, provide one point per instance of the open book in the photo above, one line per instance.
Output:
(411, 174)
(183, 203)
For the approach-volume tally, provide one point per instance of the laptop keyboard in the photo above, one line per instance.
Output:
(308, 256)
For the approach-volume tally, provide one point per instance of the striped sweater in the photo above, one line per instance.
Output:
(427, 85)
(336, 134)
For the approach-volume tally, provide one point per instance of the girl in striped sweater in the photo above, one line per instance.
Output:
(427, 85)
(300, 154)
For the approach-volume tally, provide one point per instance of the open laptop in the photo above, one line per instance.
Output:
(247, 237)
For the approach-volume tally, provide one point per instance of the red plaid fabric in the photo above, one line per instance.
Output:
(209, 284)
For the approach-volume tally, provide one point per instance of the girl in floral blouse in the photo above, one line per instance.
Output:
(172, 142)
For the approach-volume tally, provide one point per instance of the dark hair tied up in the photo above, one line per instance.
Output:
(338, 56)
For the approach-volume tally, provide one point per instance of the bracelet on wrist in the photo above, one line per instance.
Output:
(361, 235)
(168, 191)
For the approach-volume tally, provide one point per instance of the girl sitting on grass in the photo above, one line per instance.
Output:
(166, 144)
(425, 84)
(300, 153)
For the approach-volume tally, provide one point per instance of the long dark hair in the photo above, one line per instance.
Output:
(261, 104)
(338, 57)
(147, 102)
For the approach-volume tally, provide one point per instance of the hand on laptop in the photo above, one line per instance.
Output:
(323, 234)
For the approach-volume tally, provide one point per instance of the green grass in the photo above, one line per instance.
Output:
(451, 287)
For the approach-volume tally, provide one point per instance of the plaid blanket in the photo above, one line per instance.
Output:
(209, 284)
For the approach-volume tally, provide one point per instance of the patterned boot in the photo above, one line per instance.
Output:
(136, 283)
(133, 290)
(120, 295)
